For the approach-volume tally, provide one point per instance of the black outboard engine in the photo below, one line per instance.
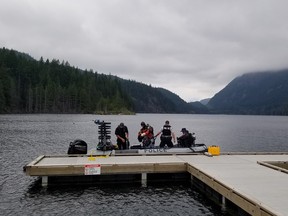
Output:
(78, 146)
(104, 136)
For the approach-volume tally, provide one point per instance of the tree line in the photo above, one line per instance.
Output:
(30, 86)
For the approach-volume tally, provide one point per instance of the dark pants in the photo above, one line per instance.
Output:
(184, 143)
(166, 140)
(121, 145)
(140, 138)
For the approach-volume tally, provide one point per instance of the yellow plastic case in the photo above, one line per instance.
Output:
(214, 150)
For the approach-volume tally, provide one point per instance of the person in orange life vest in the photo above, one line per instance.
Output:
(148, 137)
(142, 130)
(166, 135)
(122, 135)
(148, 131)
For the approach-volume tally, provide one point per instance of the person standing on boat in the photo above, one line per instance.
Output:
(122, 135)
(166, 135)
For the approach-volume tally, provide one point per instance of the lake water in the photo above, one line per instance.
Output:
(25, 137)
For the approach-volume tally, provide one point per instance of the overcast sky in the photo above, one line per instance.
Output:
(193, 48)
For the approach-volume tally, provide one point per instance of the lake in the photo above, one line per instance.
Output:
(25, 137)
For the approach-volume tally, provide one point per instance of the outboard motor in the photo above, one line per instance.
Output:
(78, 146)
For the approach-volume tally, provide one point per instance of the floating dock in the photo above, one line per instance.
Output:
(255, 182)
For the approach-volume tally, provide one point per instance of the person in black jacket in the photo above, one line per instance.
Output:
(186, 139)
(166, 135)
(122, 135)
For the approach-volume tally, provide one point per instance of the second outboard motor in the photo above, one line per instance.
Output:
(78, 146)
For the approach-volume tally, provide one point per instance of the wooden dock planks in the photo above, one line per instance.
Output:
(258, 189)
(64, 165)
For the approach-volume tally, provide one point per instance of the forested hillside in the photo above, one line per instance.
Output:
(263, 93)
(147, 99)
(30, 86)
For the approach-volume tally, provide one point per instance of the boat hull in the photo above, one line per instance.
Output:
(197, 148)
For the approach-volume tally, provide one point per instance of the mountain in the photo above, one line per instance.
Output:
(31, 86)
(148, 99)
(178, 104)
(205, 101)
(199, 108)
(261, 93)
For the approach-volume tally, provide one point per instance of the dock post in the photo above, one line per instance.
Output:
(144, 179)
(192, 180)
(223, 203)
(44, 181)
(223, 200)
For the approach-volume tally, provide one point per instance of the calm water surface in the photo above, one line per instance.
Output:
(25, 137)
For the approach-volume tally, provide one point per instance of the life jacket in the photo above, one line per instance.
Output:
(166, 131)
(151, 130)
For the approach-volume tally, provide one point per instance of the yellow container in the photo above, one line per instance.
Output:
(214, 150)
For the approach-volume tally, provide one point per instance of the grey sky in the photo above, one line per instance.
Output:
(193, 48)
